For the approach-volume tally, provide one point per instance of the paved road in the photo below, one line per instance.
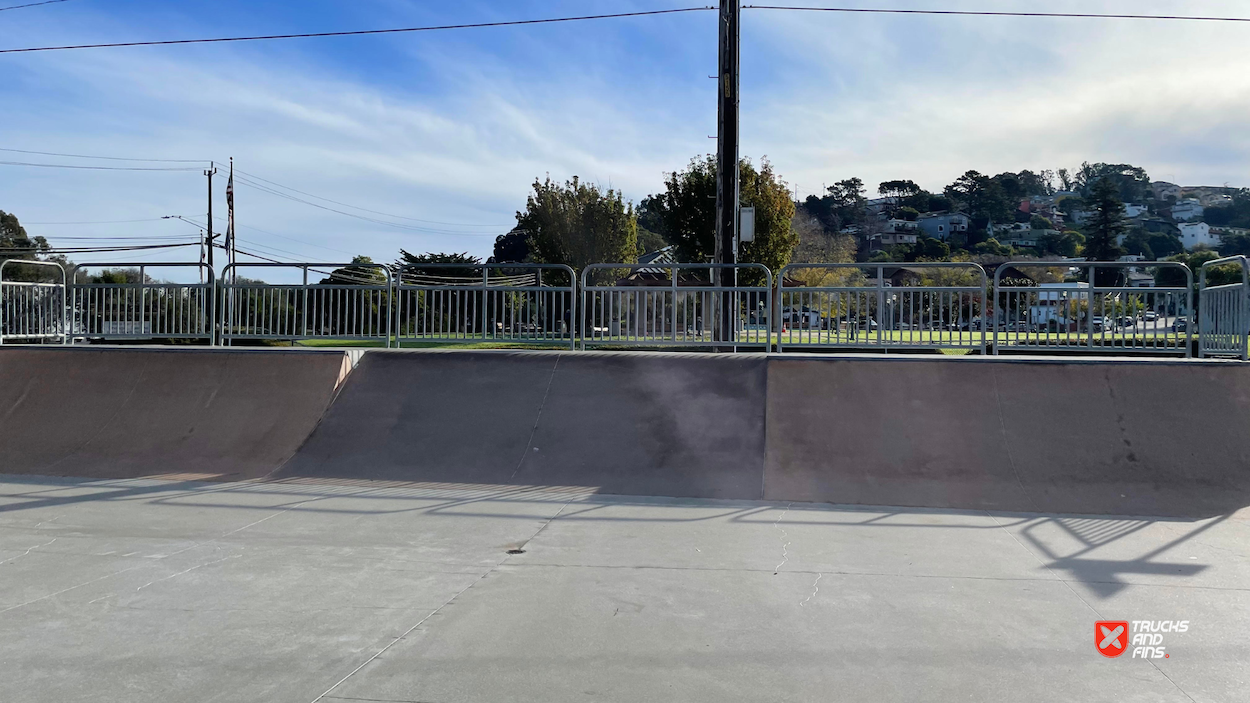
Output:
(142, 590)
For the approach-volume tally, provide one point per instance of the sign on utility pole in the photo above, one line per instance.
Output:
(727, 158)
(746, 224)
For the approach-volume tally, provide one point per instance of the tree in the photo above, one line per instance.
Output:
(992, 247)
(1235, 245)
(774, 240)
(512, 248)
(1039, 222)
(688, 211)
(1131, 183)
(898, 189)
(1107, 224)
(984, 200)
(16, 244)
(930, 249)
(578, 224)
(1067, 244)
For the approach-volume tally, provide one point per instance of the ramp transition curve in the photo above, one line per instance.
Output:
(126, 413)
(1145, 437)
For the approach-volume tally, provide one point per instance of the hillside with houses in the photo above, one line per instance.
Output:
(1026, 215)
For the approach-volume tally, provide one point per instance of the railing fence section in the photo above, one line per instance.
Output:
(1034, 306)
(32, 310)
(677, 305)
(124, 303)
(1224, 310)
(351, 303)
(499, 303)
(1110, 307)
(881, 306)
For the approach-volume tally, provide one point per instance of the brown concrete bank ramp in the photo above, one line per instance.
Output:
(124, 413)
(683, 425)
(1146, 437)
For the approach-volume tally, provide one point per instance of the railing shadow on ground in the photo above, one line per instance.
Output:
(1103, 576)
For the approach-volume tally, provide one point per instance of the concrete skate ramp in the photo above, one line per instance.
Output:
(123, 413)
(1147, 437)
(682, 425)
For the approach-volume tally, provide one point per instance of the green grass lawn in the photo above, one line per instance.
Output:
(948, 342)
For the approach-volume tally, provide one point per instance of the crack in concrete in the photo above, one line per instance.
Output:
(785, 548)
(28, 551)
(815, 590)
(180, 573)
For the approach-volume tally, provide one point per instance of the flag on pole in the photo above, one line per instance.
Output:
(230, 214)
(230, 234)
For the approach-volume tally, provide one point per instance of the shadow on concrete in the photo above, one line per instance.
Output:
(1105, 577)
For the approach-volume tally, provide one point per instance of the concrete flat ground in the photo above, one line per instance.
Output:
(146, 590)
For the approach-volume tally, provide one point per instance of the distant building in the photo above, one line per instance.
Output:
(1225, 231)
(1135, 210)
(889, 239)
(941, 225)
(1196, 233)
(1058, 303)
(1140, 279)
(1021, 235)
(1162, 190)
(1187, 210)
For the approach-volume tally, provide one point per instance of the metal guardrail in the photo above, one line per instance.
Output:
(141, 309)
(931, 305)
(354, 305)
(513, 303)
(676, 305)
(924, 305)
(1099, 314)
(32, 310)
(1224, 312)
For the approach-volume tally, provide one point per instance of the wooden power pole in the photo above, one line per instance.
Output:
(727, 158)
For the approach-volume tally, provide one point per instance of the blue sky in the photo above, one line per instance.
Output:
(449, 129)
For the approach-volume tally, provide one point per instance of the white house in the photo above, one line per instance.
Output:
(1187, 210)
(1135, 210)
(1058, 302)
(1195, 233)
(940, 225)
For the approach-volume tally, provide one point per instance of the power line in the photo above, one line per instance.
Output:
(31, 4)
(93, 168)
(359, 32)
(980, 13)
(92, 250)
(411, 228)
(356, 207)
(98, 222)
(106, 158)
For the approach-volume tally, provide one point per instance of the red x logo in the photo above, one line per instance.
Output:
(1111, 637)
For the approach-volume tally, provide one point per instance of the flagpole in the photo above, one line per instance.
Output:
(231, 235)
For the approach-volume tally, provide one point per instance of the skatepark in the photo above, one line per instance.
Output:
(307, 525)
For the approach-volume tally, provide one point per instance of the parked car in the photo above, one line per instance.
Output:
(1180, 325)
(1150, 316)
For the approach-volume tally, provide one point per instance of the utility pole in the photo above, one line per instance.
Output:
(212, 171)
(727, 158)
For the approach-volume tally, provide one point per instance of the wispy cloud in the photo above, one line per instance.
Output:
(454, 129)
